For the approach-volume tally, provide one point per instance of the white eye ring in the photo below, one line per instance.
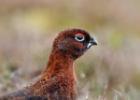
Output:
(79, 37)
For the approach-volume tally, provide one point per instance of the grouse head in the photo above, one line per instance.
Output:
(73, 42)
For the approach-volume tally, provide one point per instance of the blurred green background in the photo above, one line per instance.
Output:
(109, 71)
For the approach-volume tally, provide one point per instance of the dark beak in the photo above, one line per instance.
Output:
(92, 42)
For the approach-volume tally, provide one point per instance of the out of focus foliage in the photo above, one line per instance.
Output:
(109, 71)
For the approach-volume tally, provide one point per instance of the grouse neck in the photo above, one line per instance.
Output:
(60, 63)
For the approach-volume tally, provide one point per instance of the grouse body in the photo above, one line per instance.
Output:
(58, 80)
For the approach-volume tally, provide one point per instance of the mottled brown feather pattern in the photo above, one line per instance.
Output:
(58, 80)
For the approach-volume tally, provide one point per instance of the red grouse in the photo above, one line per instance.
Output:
(58, 81)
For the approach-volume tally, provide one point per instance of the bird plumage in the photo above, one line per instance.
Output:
(58, 80)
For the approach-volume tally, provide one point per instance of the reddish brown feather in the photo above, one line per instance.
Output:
(58, 81)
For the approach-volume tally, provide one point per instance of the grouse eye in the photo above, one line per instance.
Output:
(79, 37)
